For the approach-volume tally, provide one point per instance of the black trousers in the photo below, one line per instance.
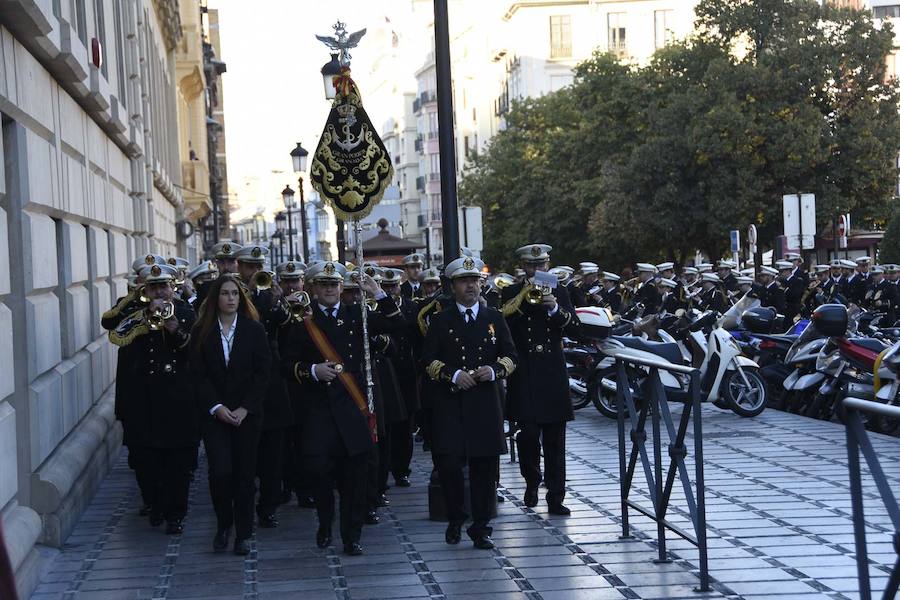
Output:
(402, 447)
(553, 436)
(482, 489)
(232, 453)
(348, 473)
(269, 469)
(384, 458)
(164, 477)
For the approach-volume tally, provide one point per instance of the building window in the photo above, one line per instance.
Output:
(80, 26)
(100, 28)
(561, 36)
(662, 27)
(887, 12)
(616, 25)
(120, 52)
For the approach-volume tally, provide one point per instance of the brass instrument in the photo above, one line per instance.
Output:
(262, 280)
(157, 318)
(372, 303)
(536, 293)
(141, 297)
(298, 303)
(504, 280)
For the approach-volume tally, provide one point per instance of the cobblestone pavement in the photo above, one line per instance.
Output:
(778, 508)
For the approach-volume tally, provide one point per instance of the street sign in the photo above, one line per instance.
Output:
(751, 238)
(807, 221)
(799, 211)
(735, 241)
(842, 229)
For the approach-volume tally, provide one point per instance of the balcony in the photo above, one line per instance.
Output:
(434, 177)
(418, 144)
(417, 106)
(420, 184)
(618, 47)
(427, 97)
(195, 184)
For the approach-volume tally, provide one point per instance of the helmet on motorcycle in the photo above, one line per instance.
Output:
(759, 320)
(830, 320)
(596, 322)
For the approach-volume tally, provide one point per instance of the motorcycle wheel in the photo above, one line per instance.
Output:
(880, 424)
(578, 399)
(745, 401)
(603, 400)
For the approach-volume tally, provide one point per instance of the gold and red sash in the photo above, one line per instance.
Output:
(323, 345)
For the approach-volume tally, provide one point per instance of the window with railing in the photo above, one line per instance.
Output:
(616, 33)
(891, 11)
(561, 36)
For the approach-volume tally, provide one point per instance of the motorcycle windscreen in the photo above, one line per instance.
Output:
(732, 317)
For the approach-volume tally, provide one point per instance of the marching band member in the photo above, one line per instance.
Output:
(468, 350)
(538, 392)
(412, 287)
(610, 297)
(230, 363)
(646, 292)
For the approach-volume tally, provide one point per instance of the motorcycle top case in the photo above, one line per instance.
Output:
(759, 320)
(830, 320)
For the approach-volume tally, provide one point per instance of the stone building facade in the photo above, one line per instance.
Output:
(90, 180)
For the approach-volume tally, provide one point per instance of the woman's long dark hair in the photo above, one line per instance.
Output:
(209, 310)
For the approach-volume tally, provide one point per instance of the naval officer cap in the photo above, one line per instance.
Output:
(836, 263)
(178, 262)
(793, 256)
(765, 270)
(431, 275)
(710, 278)
(666, 266)
(822, 268)
(610, 276)
(726, 264)
(891, 268)
(226, 249)
(748, 272)
(163, 273)
(326, 271)
(351, 280)
(391, 276)
(465, 266)
(744, 280)
(877, 269)
(784, 265)
(204, 268)
(149, 259)
(669, 283)
(863, 260)
(413, 260)
(847, 264)
(255, 255)
(646, 268)
(588, 267)
(690, 271)
(291, 269)
(373, 271)
(534, 253)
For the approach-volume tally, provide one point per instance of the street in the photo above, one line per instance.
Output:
(778, 508)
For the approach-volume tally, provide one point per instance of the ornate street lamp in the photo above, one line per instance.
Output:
(330, 70)
(298, 157)
(287, 195)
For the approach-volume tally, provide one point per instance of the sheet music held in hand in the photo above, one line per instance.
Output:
(546, 279)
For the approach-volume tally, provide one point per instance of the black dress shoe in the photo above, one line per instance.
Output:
(304, 501)
(242, 547)
(501, 498)
(372, 518)
(175, 527)
(353, 549)
(484, 542)
(382, 501)
(268, 521)
(531, 497)
(156, 520)
(558, 508)
(145, 510)
(402, 481)
(453, 533)
(220, 542)
(323, 537)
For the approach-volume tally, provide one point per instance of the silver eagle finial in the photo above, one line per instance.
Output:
(342, 42)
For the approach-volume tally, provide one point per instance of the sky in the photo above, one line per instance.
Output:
(273, 92)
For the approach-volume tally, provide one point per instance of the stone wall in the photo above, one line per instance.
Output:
(85, 186)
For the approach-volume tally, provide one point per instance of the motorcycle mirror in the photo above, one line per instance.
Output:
(679, 313)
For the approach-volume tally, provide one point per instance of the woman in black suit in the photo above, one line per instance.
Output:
(230, 365)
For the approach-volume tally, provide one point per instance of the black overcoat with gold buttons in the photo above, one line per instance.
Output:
(333, 424)
(158, 408)
(467, 423)
(538, 391)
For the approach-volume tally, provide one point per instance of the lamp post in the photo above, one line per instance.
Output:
(287, 195)
(329, 71)
(298, 157)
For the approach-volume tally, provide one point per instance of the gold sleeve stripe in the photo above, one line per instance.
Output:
(298, 375)
(508, 365)
(568, 316)
(434, 370)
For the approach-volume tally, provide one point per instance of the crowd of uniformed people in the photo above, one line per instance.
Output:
(272, 373)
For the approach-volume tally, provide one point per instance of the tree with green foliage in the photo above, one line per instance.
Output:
(769, 97)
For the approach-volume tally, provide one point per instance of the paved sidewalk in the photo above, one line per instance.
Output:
(778, 508)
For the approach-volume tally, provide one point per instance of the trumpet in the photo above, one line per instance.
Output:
(298, 302)
(157, 318)
(141, 297)
(262, 280)
(536, 293)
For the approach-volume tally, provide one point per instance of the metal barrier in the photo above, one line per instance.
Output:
(654, 403)
(858, 439)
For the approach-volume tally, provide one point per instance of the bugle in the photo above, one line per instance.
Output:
(262, 280)
(536, 293)
(298, 303)
(157, 317)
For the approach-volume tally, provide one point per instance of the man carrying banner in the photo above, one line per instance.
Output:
(327, 358)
